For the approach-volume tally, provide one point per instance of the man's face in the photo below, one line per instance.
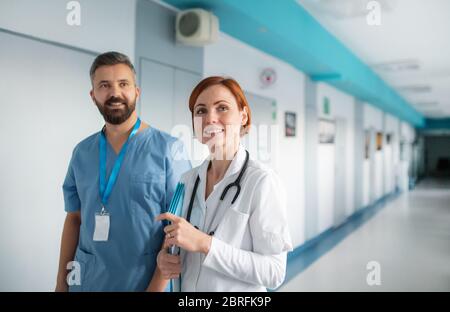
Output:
(114, 92)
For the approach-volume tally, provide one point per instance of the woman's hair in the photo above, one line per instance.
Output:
(232, 86)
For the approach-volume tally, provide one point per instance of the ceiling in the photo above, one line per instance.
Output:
(287, 31)
(409, 50)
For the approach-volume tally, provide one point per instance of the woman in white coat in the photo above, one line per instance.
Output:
(233, 233)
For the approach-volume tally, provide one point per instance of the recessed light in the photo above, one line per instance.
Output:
(341, 9)
(397, 66)
(415, 89)
(426, 104)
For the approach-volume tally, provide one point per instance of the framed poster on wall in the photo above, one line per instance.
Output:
(388, 138)
(379, 141)
(327, 131)
(290, 123)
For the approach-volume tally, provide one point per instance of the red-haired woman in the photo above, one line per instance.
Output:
(233, 234)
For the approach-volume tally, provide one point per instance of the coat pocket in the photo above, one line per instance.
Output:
(147, 194)
(232, 227)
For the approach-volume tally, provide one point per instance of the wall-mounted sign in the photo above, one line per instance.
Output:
(290, 123)
(274, 112)
(327, 131)
(326, 106)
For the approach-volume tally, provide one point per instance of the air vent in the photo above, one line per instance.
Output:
(397, 66)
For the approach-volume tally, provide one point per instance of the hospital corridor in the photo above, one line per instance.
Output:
(225, 146)
(408, 237)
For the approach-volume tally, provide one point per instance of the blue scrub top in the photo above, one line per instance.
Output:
(151, 168)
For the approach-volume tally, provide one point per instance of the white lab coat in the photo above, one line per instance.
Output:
(251, 237)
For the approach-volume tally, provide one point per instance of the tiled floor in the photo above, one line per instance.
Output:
(409, 238)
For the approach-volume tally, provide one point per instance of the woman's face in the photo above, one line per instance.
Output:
(217, 118)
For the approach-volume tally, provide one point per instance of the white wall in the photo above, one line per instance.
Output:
(48, 87)
(407, 137)
(48, 116)
(325, 186)
(105, 24)
(341, 106)
(392, 153)
(373, 172)
(389, 170)
(233, 58)
(408, 133)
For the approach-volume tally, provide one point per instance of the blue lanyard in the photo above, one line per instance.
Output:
(106, 186)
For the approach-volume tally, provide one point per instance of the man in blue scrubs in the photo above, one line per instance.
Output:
(119, 179)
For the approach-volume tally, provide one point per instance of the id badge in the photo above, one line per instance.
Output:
(101, 227)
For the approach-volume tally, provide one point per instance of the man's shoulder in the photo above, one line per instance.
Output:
(162, 136)
(165, 142)
(87, 143)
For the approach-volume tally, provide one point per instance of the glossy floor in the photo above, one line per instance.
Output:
(409, 239)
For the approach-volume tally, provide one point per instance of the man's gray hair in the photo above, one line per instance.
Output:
(110, 58)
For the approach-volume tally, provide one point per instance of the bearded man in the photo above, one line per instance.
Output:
(119, 179)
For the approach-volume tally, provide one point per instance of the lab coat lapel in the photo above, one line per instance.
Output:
(230, 176)
(202, 171)
(236, 163)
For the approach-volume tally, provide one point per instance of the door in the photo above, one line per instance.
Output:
(340, 172)
(326, 174)
(372, 167)
(388, 164)
(47, 110)
(261, 142)
(184, 83)
(157, 96)
(165, 92)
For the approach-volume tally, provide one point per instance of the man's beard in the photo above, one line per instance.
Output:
(116, 115)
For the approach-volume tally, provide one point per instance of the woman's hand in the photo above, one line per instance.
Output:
(169, 265)
(182, 234)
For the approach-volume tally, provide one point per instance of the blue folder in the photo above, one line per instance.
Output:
(175, 208)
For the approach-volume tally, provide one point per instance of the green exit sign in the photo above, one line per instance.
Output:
(326, 106)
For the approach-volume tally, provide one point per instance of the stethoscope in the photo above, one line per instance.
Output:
(236, 184)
